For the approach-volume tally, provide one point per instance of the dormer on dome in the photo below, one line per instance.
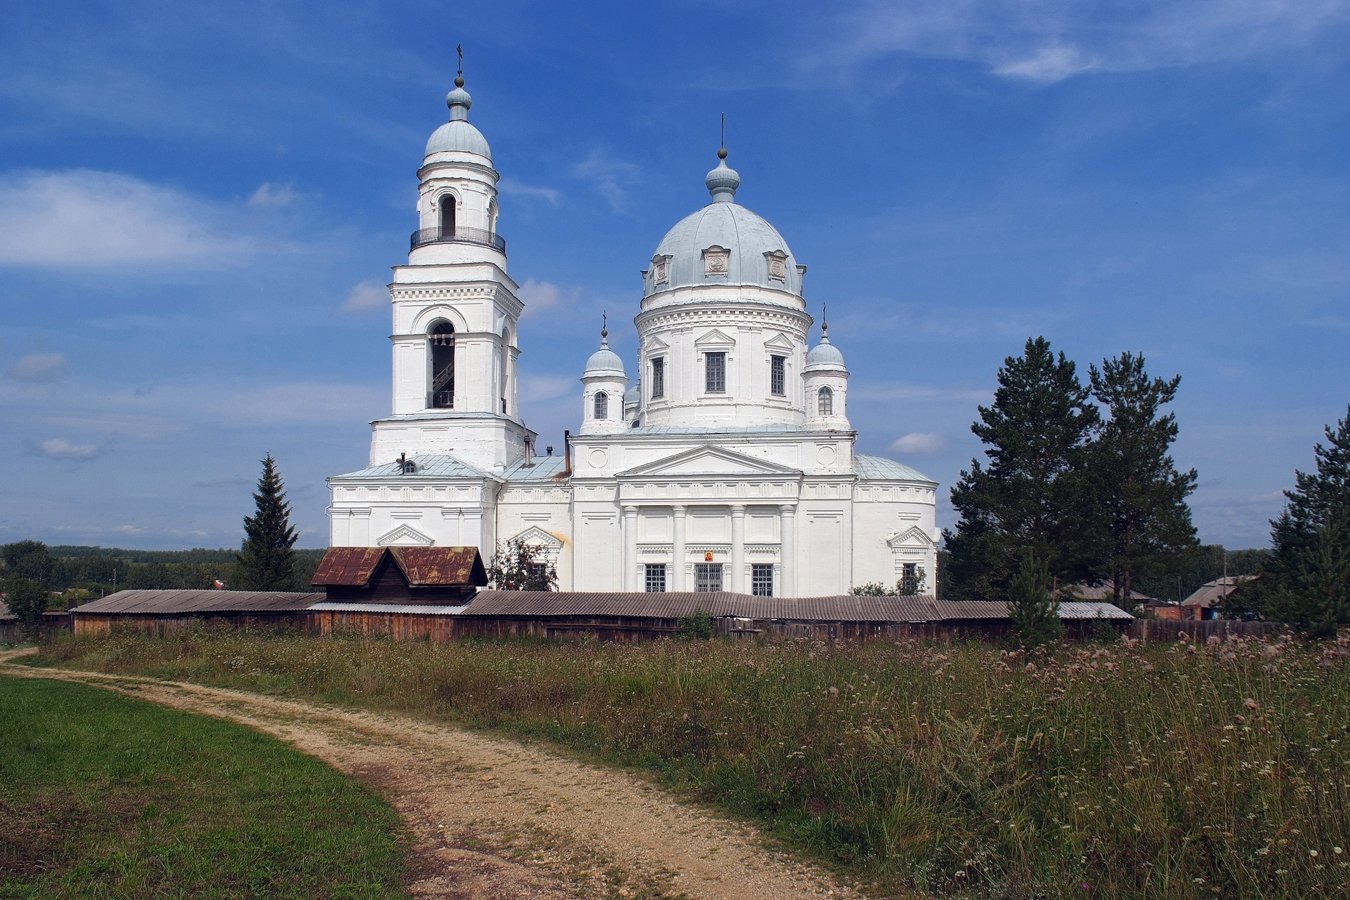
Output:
(604, 384)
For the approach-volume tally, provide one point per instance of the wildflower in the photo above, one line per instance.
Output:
(1250, 703)
(1313, 854)
(1337, 850)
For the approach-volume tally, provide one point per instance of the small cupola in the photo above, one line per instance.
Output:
(604, 383)
(825, 385)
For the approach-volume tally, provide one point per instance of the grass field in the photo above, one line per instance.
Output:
(1165, 770)
(103, 796)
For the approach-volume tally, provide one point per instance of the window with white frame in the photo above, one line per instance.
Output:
(777, 375)
(655, 577)
(707, 578)
(715, 372)
(761, 579)
(825, 403)
(658, 377)
(601, 405)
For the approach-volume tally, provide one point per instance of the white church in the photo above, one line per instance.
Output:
(725, 463)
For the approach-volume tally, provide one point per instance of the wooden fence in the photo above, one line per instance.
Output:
(1200, 630)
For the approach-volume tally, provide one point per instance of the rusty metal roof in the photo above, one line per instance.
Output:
(350, 566)
(165, 603)
(424, 566)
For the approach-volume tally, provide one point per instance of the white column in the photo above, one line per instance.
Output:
(788, 543)
(677, 550)
(737, 584)
(630, 557)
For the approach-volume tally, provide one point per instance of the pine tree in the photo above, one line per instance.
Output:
(266, 562)
(1304, 582)
(1148, 526)
(1033, 497)
(1032, 606)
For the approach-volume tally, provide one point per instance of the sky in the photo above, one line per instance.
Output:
(200, 204)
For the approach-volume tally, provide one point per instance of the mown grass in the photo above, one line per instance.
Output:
(1164, 770)
(104, 796)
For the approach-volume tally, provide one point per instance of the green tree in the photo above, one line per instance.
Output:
(906, 585)
(1139, 492)
(519, 566)
(1304, 581)
(1033, 495)
(1032, 605)
(27, 600)
(266, 562)
(29, 559)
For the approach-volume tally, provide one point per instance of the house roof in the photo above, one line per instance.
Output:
(420, 566)
(1211, 593)
(1103, 591)
(176, 602)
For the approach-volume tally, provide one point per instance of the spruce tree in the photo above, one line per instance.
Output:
(1032, 606)
(1304, 581)
(1141, 495)
(1033, 496)
(266, 562)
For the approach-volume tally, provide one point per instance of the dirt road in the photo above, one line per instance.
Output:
(495, 818)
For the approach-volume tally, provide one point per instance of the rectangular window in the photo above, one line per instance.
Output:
(777, 376)
(658, 378)
(715, 373)
(707, 578)
(656, 577)
(761, 579)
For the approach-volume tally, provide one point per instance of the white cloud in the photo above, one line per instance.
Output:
(920, 443)
(273, 196)
(1046, 65)
(610, 176)
(39, 367)
(365, 296)
(1048, 40)
(518, 190)
(64, 449)
(541, 296)
(85, 219)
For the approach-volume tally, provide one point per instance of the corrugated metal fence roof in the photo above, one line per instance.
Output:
(180, 602)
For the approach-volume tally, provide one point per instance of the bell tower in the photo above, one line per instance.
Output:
(455, 312)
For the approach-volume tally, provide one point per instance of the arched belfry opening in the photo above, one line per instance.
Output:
(442, 344)
(448, 216)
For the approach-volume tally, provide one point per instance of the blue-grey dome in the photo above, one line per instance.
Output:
(604, 362)
(632, 396)
(824, 355)
(457, 135)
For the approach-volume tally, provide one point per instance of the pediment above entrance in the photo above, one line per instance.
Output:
(702, 461)
(405, 536)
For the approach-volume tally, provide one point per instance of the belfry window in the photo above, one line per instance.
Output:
(825, 403)
(601, 406)
(715, 373)
(777, 375)
(658, 378)
(448, 215)
(442, 345)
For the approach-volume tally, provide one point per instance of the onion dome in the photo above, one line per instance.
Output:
(457, 135)
(824, 355)
(604, 362)
(749, 250)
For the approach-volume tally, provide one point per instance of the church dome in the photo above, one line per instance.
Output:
(604, 362)
(723, 243)
(824, 355)
(457, 135)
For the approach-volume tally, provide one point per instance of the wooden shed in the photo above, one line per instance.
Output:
(160, 612)
(432, 576)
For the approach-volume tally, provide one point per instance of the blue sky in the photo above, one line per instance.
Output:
(200, 203)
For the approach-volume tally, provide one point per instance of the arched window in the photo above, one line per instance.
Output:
(448, 215)
(442, 344)
(825, 403)
(601, 406)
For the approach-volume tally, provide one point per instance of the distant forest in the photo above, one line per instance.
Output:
(101, 570)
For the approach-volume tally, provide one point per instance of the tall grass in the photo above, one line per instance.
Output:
(1111, 771)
